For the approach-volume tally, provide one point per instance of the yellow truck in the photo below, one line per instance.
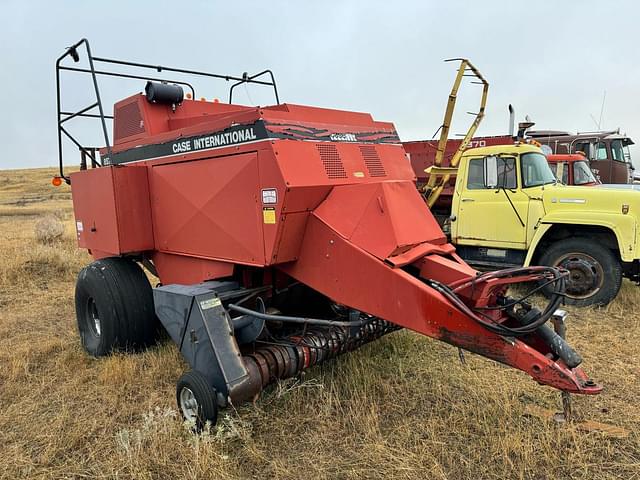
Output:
(502, 206)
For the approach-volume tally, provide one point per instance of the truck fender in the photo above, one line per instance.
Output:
(623, 228)
(540, 231)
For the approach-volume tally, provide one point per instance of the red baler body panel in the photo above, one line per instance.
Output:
(112, 210)
(200, 212)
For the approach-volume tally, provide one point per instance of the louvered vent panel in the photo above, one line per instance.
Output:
(372, 161)
(331, 161)
(128, 121)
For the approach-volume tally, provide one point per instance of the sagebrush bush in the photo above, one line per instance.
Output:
(49, 229)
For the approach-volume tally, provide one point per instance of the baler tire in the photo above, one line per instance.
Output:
(193, 386)
(114, 307)
(143, 330)
(607, 265)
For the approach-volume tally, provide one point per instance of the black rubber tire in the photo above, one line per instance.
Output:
(117, 291)
(610, 264)
(205, 397)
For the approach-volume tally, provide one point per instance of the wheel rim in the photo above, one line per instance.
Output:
(586, 275)
(188, 404)
(93, 319)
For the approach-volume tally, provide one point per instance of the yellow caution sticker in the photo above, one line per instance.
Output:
(358, 174)
(269, 215)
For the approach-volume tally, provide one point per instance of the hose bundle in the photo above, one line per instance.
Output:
(545, 275)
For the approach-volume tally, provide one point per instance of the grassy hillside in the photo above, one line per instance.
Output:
(402, 407)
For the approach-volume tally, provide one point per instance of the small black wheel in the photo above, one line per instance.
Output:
(595, 274)
(197, 400)
(114, 307)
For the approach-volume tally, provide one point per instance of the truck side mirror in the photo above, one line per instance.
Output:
(491, 172)
(592, 151)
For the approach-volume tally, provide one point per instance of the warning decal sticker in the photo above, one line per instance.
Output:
(269, 215)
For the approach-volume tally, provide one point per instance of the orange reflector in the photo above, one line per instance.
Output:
(56, 181)
(215, 100)
(202, 99)
(188, 96)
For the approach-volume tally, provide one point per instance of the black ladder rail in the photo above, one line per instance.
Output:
(64, 116)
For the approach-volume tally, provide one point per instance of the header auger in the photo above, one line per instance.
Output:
(282, 236)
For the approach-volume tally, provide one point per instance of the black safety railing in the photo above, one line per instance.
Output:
(91, 153)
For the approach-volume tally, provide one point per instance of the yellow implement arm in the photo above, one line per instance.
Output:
(439, 177)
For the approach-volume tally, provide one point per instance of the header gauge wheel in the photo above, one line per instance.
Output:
(197, 400)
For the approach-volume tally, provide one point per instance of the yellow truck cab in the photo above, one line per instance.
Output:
(508, 209)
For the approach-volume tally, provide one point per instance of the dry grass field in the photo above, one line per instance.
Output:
(402, 407)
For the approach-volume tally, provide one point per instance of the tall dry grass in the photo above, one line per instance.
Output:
(402, 407)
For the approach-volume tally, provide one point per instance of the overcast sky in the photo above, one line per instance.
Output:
(552, 60)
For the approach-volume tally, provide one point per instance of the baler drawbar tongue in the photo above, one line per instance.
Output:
(340, 258)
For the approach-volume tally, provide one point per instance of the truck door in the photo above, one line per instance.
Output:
(621, 171)
(489, 207)
(599, 160)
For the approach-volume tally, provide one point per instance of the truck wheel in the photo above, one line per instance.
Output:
(197, 400)
(114, 307)
(595, 274)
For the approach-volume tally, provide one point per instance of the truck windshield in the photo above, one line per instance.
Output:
(535, 170)
(582, 174)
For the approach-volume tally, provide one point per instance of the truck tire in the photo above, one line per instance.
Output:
(595, 274)
(197, 400)
(114, 307)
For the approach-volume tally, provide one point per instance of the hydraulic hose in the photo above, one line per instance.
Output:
(558, 278)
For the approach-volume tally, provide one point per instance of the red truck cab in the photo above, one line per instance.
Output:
(572, 169)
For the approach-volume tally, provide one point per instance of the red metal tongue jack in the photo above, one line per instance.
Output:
(281, 236)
